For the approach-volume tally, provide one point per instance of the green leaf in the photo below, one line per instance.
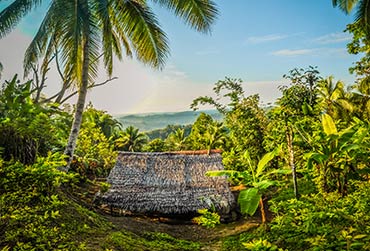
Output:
(359, 236)
(248, 200)
(328, 125)
(264, 184)
(281, 171)
(228, 173)
(263, 162)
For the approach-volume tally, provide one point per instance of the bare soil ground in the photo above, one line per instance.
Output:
(186, 231)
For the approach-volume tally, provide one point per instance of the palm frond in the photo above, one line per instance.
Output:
(142, 28)
(345, 5)
(71, 40)
(363, 14)
(94, 47)
(199, 14)
(109, 39)
(42, 42)
(13, 13)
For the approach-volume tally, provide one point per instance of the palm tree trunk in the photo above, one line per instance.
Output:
(289, 137)
(80, 105)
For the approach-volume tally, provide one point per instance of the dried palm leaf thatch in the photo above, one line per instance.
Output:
(167, 183)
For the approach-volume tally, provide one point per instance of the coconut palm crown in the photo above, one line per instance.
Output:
(362, 10)
(83, 31)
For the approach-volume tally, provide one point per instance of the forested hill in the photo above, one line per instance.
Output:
(152, 121)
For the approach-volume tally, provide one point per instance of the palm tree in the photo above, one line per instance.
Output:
(362, 10)
(215, 136)
(360, 97)
(131, 140)
(81, 29)
(177, 139)
(332, 98)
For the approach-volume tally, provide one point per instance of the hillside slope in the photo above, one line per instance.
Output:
(151, 121)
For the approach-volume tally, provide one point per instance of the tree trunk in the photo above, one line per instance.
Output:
(77, 120)
(289, 137)
(262, 208)
(62, 91)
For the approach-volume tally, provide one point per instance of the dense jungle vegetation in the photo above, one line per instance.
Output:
(302, 164)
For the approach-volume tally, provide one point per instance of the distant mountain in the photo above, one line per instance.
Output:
(151, 121)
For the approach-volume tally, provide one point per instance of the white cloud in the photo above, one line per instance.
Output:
(266, 38)
(323, 52)
(333, 38)
(292, 53)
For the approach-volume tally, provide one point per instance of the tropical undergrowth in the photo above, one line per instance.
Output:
(35, 212)
(38, 212)
(42, 208)
(316, 221)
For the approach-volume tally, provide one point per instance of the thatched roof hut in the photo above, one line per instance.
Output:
(167, 183)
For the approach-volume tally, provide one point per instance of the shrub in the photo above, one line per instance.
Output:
(30, 206)
(94, 155)
(207, 219)
(23, 124)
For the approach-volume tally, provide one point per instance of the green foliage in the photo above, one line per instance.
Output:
(257, 180)
(302, 91)
(333, 99)
(131, 140)
(261, 245)
(207, 219)
(320, 222)
(109, 126)
(30, 206)
(27, 130)
(168, 130)
(156, 145)
(360, 45)
(104, 187)
(177, 140)
(94, 154)
(206, 134)
(315, 222)
(328, 125)
(244, 122)
(248, 200)
(150, 241)
(339, 156)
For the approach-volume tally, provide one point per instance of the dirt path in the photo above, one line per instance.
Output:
(139, 225)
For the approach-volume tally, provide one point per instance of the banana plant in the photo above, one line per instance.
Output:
(256, 181)
(339, 155)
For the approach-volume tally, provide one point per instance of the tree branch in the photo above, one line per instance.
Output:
(89, 87)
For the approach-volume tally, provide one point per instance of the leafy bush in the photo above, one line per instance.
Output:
(324, 221)
(316, 222)
(261, 245)
(94, 155)
(35, 213)
(23, 124)
(30, 206)
(207, 219)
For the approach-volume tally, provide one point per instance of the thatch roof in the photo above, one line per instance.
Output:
(167, 183)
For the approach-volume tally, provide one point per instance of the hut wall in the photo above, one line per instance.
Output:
(168, 183)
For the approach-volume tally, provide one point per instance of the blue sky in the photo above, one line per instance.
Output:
(257, 41)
